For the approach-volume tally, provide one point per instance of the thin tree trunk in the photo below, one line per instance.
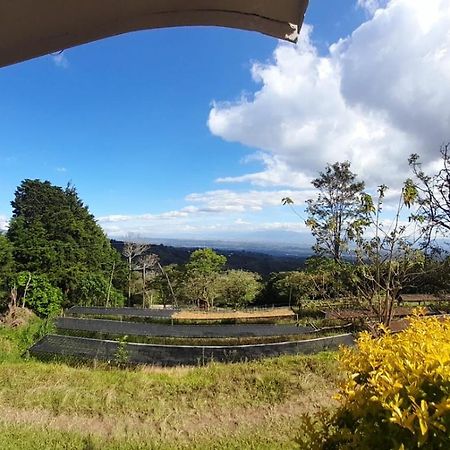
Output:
(129, 281)
(26, 289)
(13, 298)
(143, 284)
(169, 283)
(108, 295)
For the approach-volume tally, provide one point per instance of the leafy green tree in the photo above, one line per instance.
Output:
(336, 215)
(37, 293)
(200, 288)
(53, 233)
(238, 288)
(92, 290)
(434, 279)
(337, 210)
(200, 284)
(206, 261)
(334, 279)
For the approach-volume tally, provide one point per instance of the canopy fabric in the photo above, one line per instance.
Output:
(31, 28)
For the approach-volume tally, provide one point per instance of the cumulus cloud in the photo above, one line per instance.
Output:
(227, 200)
(220, 211)
(377, 96)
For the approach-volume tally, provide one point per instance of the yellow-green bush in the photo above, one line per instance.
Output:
(397, 395)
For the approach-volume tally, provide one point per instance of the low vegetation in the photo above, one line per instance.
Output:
(397, 395)
(238, 406)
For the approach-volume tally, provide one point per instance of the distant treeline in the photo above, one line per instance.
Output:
(260, 263)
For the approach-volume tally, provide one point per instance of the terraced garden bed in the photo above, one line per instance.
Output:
(121, 312)
(177, 344)
(190, 331)
(270, 314)
(57, 346)
(186, 317)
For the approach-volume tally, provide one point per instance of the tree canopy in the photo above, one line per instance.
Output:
(205, 261)
(52, 232)
(337, 210)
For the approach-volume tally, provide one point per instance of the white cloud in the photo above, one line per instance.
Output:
(379, 95)
(220, 211)
(61, 169)
(371, 5)
(4, 223)
(60, 60)
(227, 200)
(276, 173)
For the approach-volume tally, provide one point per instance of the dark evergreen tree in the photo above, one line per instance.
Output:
(6, 269)
(53, 233)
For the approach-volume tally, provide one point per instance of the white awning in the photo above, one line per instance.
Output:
(31, 28)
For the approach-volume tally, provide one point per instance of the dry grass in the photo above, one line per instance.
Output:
(247, 404)
(278, 313)
(255, 405)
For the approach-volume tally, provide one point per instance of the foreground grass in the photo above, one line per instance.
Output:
(256, 405)
(14, 342)
(20, 437)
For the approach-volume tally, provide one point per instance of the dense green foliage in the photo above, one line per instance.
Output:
(202, 281)
(36, 293)
(322, 279)
(6, 267)
(53, 237)
(238, 288)
(205, 261)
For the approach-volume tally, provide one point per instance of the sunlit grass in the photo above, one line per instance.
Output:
(254, 405)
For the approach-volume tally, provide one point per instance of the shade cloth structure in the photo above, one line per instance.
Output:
(31, 28)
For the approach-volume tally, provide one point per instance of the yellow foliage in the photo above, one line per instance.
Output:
(398, 394)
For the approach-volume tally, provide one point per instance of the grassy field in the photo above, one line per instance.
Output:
(257, 405)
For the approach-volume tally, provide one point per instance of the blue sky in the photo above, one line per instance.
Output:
(157, 129)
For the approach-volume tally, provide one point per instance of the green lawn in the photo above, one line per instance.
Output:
(256, 405)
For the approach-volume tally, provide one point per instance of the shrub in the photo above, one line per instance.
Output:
(39, 294)
(398, 393)
(238, 288)
(92, 290)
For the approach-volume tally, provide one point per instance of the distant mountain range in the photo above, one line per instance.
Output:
(283, 243)
(263, 258)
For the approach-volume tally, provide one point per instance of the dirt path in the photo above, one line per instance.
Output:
(178, 424)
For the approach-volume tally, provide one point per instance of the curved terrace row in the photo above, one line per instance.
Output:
(189, 331)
